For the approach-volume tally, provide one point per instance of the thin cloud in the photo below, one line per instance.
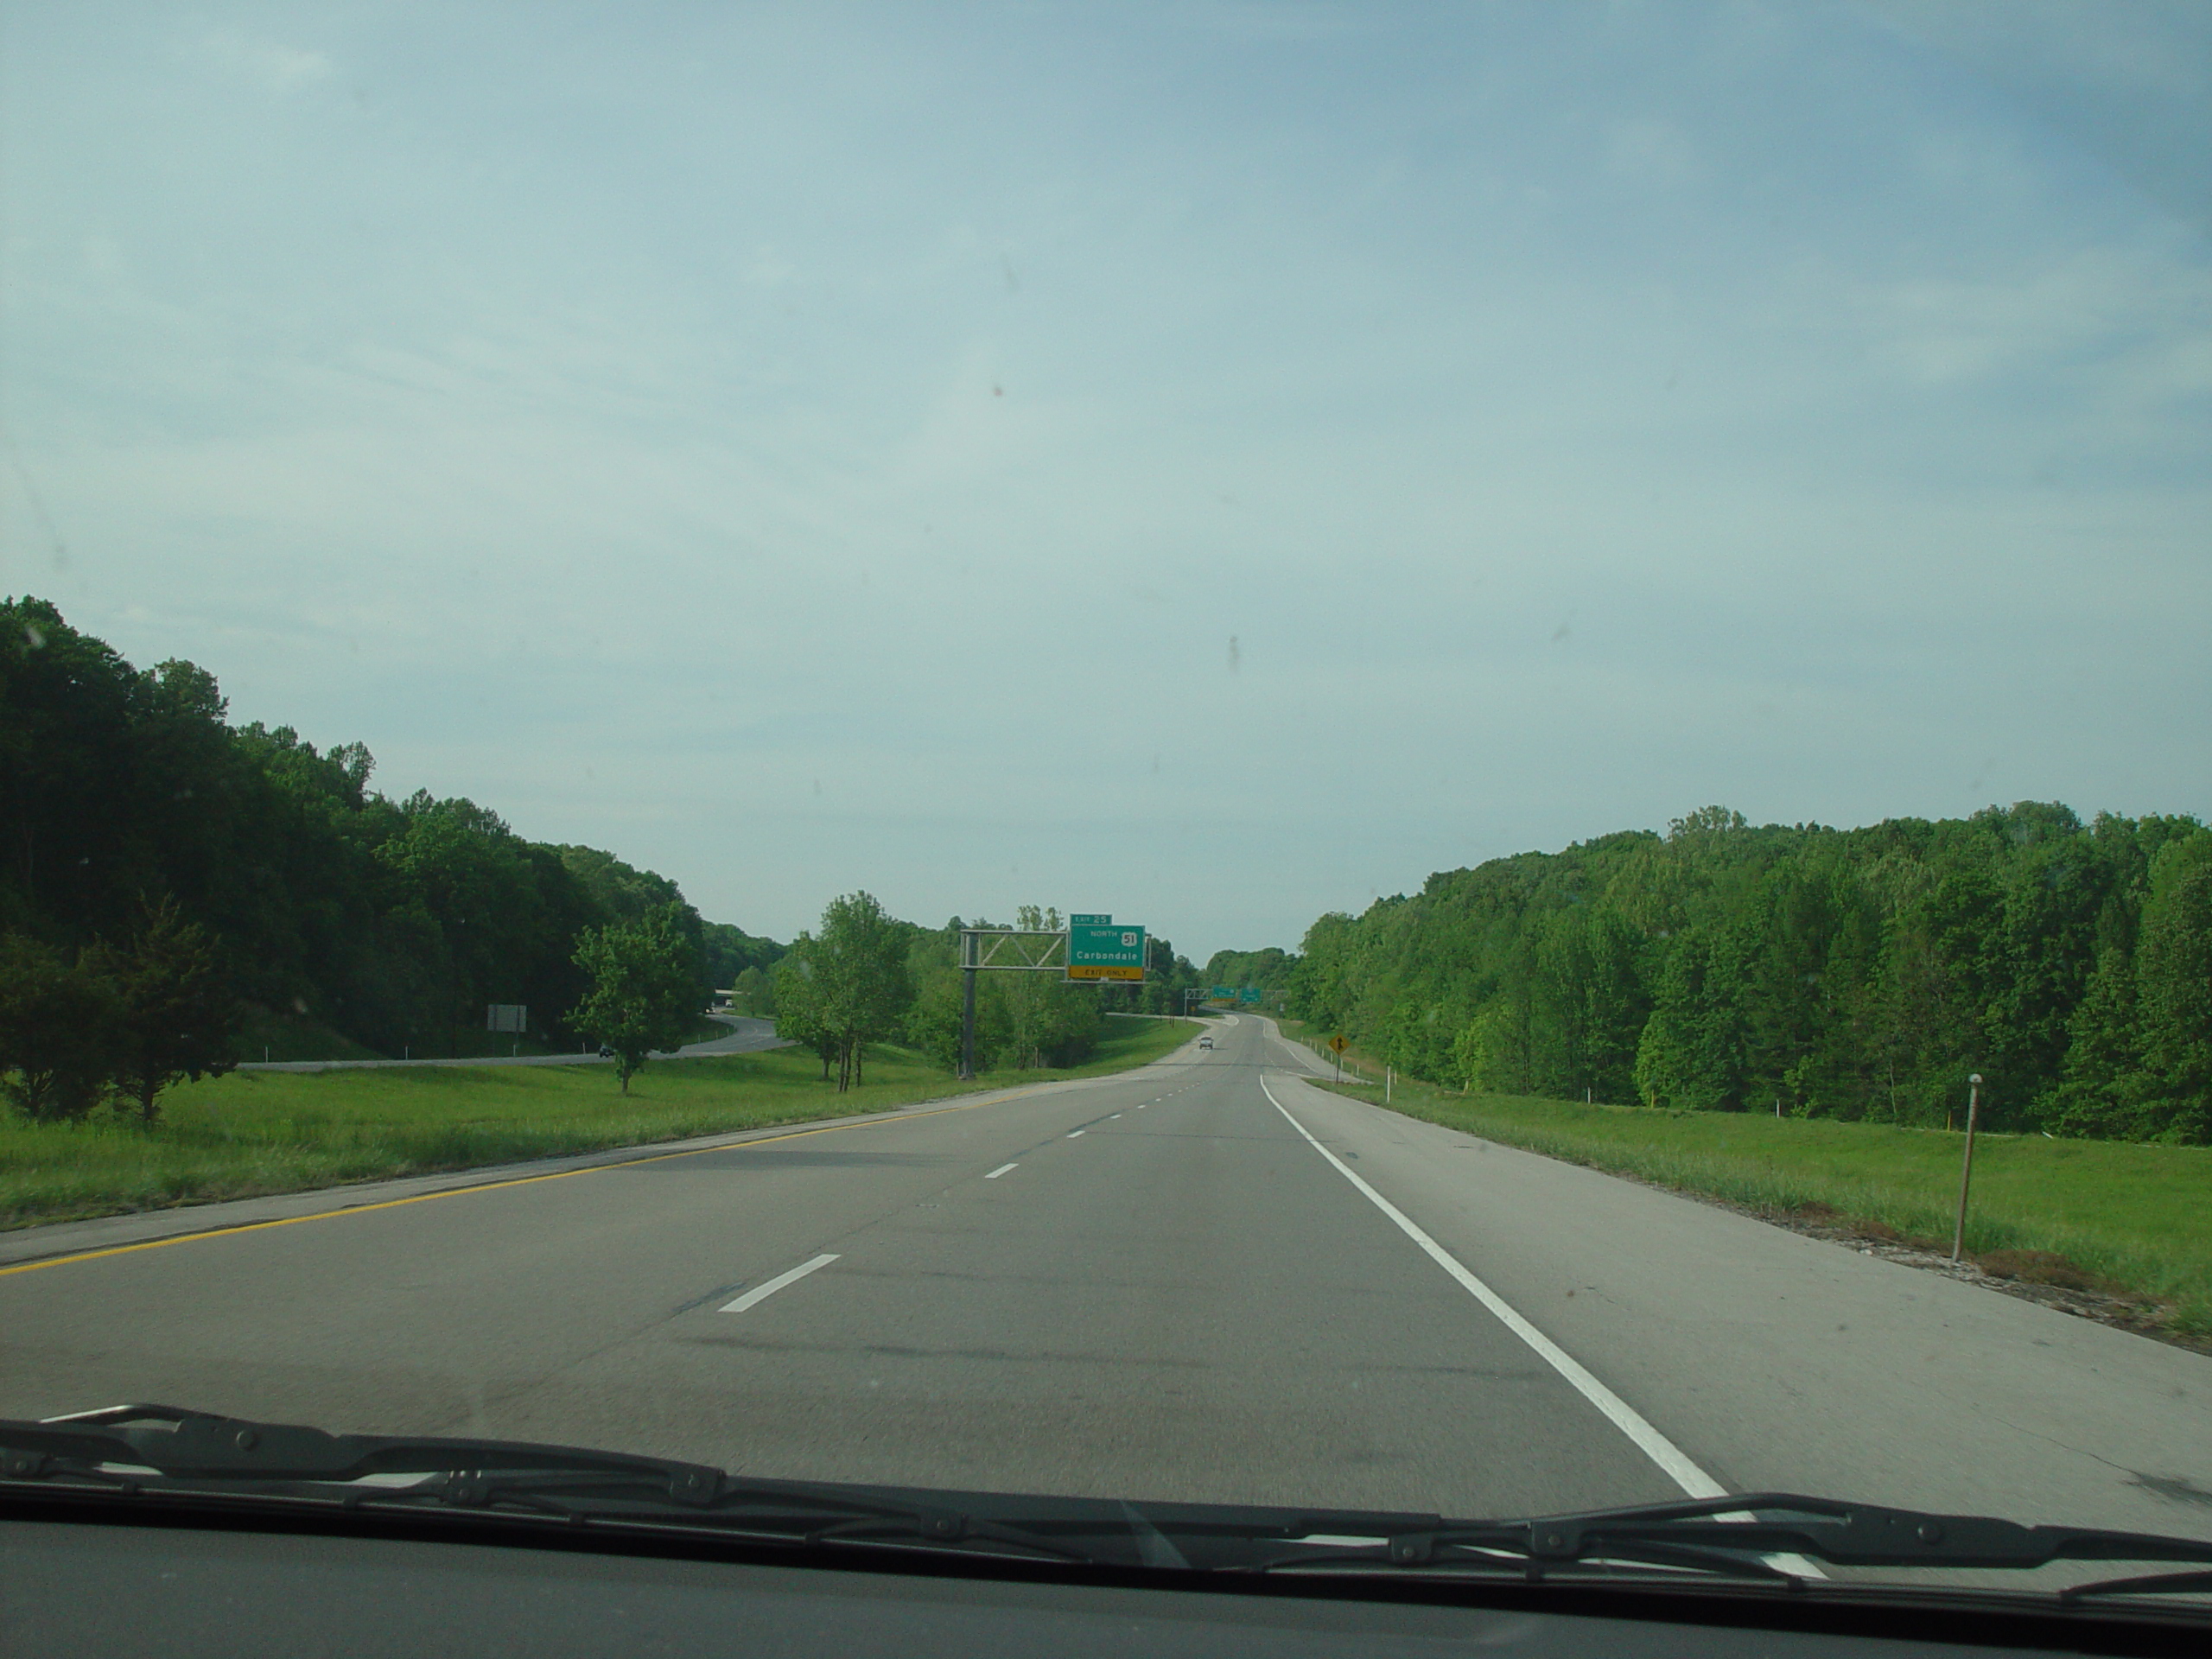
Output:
(271, 64)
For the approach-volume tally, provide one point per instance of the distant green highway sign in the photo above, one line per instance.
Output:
(1249, 994)
(1222, 993)
(1099, 949)
(1090, 921)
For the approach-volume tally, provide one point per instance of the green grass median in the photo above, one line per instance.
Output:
(260, 1132)
(2123, 1218)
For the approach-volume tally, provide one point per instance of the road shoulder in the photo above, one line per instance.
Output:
(1785, 1363)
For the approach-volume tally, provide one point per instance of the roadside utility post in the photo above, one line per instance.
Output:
(1966, 1172)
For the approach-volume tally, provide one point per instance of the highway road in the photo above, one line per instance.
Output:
(1202, 1279)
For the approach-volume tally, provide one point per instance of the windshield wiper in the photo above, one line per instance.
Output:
(158, 1449)
(1695, 1534)
(166, 1450)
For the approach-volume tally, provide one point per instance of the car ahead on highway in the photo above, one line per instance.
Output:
(152, 1531)
(1205, 1042)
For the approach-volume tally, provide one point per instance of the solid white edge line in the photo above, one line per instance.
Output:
(762, 1293)
(1001, 1170)
(1648, 1440)
(1670, 1457)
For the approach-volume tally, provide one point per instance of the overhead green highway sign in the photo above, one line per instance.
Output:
(1090, 921)
(1102, 951)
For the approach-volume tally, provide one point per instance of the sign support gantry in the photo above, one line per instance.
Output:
(1004, 950)
(1091, 948)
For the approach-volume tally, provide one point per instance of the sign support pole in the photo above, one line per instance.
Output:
(967, 1024)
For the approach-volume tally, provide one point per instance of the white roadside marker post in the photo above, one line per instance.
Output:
(1965, 1170)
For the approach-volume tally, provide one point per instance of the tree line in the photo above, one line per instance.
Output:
(863, 977)
(161, 867)
(1266, 971)
(1808, 970)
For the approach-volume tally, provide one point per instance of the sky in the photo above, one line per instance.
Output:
(1210, 463)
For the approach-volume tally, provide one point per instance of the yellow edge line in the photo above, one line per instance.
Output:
(487, 1187)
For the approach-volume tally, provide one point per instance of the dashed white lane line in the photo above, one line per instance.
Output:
(760, 1294)
(1000, 1171)
(1073, 1136)
(1113, 1114)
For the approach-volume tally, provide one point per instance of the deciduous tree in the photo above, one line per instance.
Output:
(859, 963)
(176, 1015)
(644, 993)
(802, 1017)
(58, 1030)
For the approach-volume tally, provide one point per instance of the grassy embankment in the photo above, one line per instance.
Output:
(282, 1132)
(2107, 1215)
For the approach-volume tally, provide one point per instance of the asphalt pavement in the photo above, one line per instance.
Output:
(1202, 1279)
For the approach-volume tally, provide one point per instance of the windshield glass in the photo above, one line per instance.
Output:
(1437, 758)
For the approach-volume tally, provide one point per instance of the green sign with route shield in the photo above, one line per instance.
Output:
(1102, 951)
